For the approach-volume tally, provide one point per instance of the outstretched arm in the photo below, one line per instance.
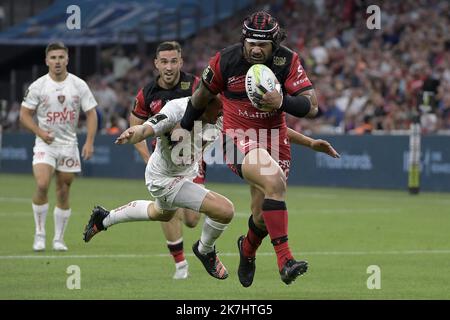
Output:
(315, 144)
(141, 146)
(135, 134)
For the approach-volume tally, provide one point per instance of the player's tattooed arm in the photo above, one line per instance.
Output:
(311, 95)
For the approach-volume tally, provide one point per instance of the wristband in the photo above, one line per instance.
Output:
(190, 115)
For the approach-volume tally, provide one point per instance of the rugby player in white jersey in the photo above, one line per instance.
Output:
(57, 98)
(170, 182)
(169, 174)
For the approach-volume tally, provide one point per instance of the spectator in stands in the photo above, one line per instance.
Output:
(114, 128)
(106, 98)
(12, 118)
(338, 52)
(364, 128)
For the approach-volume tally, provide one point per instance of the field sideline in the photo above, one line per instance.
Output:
(341, 232)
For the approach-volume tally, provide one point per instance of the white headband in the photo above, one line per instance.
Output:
(256, 40)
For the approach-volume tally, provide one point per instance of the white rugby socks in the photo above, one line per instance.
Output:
(133, 211)
(40, 215)
(61, 217)
(210, 232)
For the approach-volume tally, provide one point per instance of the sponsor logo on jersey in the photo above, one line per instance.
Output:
(39, 155)
(236, 83)
(185, 85)
(69, 162)
(156, 106)
(208, 75)
(246, 144)
(299, 82)
(61, 117)
(279, 61)
(256, 115)
(61, 99)
(75, 102)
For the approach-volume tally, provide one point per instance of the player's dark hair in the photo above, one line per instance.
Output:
(168, 46)
(56, 46)
(261, 25)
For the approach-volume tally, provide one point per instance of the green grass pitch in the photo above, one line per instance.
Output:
(341, 232)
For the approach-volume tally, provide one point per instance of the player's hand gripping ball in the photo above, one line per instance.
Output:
(260, 75)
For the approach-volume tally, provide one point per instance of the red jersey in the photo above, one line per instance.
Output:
(150, 99)
(226, 74)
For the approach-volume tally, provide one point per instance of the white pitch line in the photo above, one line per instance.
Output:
(245, 215)
(15, 199)
(230, 254)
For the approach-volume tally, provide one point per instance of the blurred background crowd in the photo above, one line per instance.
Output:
(367, 81)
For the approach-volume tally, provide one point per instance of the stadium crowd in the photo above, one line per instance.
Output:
(367, 80)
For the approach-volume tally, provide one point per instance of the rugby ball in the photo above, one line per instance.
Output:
(256, 75)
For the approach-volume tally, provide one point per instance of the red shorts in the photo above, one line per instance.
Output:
(235, 149)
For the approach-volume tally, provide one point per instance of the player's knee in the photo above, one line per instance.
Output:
(42, 187)
(227, 211)
(191, 219)
(275, 186)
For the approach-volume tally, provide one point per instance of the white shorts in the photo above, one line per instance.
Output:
(64, 158)
(177, 192)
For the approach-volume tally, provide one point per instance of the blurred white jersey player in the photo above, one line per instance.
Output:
(169, 174)
(57, 99)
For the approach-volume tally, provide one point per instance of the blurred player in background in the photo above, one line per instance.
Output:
(57, 99)
(169, 178)
(171, 83)
(261, 38)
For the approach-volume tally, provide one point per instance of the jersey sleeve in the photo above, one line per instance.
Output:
(195, 84)
(87, 98)
(166, 119)
(297, 81)
(212, 75)
(31, 97)
(139, 109)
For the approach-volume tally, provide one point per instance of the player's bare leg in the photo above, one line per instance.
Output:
(219, 211)
(262, 172)
(62, 209)
(138, 210)
(42, 175)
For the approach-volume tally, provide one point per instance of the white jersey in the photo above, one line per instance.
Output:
(58, 105)
(167, 159)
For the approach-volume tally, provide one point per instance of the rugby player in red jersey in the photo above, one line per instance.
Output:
(261, 161)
